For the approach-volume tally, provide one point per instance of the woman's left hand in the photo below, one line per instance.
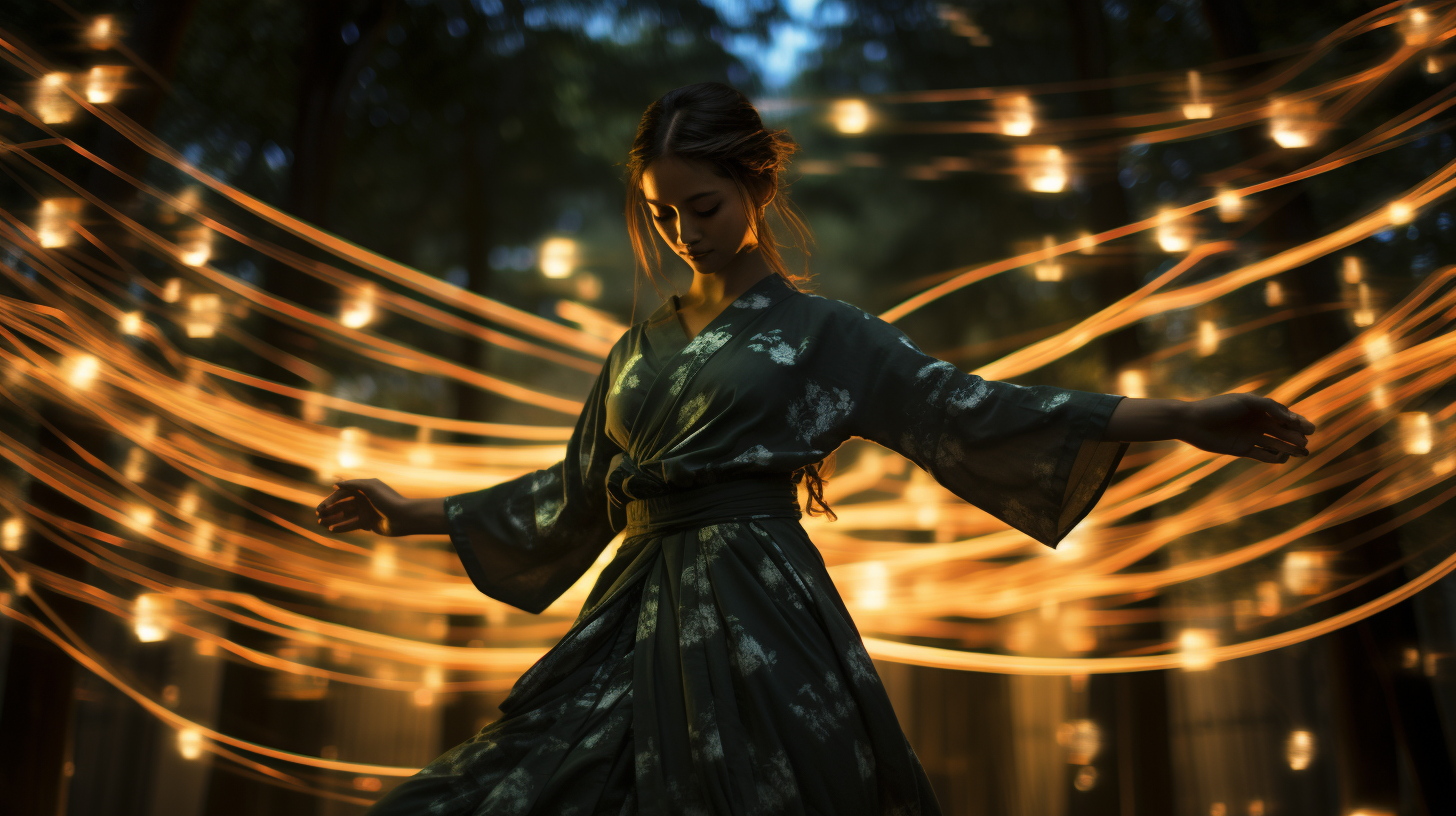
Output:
(1246, 425)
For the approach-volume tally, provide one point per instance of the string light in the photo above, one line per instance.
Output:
(52, 104)
(53, 228)
(152, 617)
(358, 311)
(850, 116)
(1014, 114)
(12, 534)
(1049, 269)
(1196, 107)
(1043, 168)
(104, 82)
(1400, 213)
(558, 258)
(1299, 749)
(1416, 435)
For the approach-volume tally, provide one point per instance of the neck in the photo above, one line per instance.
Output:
(727, 283)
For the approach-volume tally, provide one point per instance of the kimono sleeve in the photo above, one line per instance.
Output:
(1032, 456)
(526, 541)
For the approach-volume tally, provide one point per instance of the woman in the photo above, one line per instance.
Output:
(714, 669)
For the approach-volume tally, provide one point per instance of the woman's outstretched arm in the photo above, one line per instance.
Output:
(369, 504)
(1233, 424)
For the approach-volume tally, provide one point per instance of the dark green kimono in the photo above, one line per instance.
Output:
(714, 669)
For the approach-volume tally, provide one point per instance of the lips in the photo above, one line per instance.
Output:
(696, 255)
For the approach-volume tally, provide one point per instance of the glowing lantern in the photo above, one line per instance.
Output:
(1352, 269)
(1415, 26)
(103, 82)
(1086, 778)
(1435, 63)
(1195, 107)
(1363, 315)
(1132, 382)
(1400, 212)
(81, 370)
(135, 468)
(187, 505)
(1416, 436)
(382, 563)
(1294, 124)
(358, 311)
(1014, 114)
(52, 104)
(172, 290)
(202, 538)
(102, 33)
(1086, 244)
(1194, 646)
(53, 228)
(12, 534)
(1267, 598)
(189, 743)
(1230, 206)
(1379, 397)
(195, 248)
(140, 517)
(1377, 349)
(558, 257)
(1049, 269)
(1043, 167)
(351, 440)
(850, 116)
(1082, 739)
(204, 314)
(152, 617)
(1207, 338)
(420, 455)
(1273, 294)
(872, 588)
(130, 323)
(1174, 235)
(1306, 572)
(1299, 749)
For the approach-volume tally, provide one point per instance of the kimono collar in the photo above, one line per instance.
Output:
(665, 329)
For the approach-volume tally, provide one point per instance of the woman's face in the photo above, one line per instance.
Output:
(701, 215)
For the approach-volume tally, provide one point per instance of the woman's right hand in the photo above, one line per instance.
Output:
(365, 504)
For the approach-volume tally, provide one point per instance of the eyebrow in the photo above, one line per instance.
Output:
(691, 198)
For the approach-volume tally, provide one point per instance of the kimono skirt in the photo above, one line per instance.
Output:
(714, 669)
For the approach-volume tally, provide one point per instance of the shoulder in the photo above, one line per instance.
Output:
(845, 320)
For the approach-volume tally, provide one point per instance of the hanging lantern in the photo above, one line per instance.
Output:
(1043, 168)
(1196, 107)
(358, 311)
(1230, 206)
(1174, 234)
(1299, 749)
(195, 247)
(152, 617)
(104, 82)
(1194, 646)
(1049, 269)
(53, 228)
(1416, 436)
(1014, 114)
(204, 315)
(351, 447)
(102, 33)
(1294, 124)
(558, 257)
(52, 104)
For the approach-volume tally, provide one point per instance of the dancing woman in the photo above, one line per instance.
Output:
(713, 668)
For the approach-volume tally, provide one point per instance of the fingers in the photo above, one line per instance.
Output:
(1287, 417)
(348, 526)
(1278, 445)
(1265, 455)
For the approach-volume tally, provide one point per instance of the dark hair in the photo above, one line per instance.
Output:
(714, 123)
